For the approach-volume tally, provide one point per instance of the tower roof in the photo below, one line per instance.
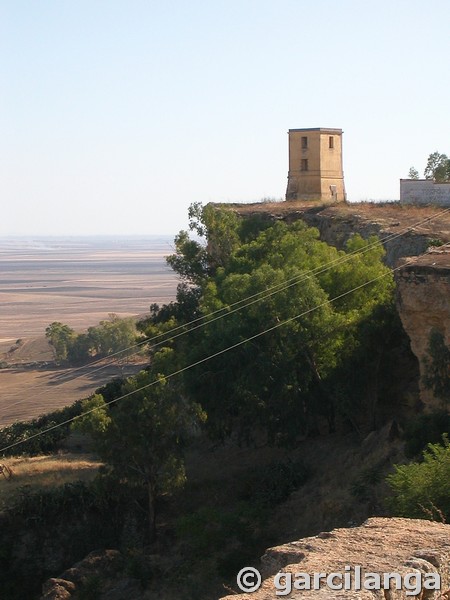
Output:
(322, 129)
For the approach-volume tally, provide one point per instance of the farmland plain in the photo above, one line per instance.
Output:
(78, 281)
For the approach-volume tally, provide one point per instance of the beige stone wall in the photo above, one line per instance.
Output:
(324, 165)
(423, 301)
(305, 182)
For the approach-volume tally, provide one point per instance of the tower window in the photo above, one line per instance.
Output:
(331, 142)
(304, 165)
(304, 142)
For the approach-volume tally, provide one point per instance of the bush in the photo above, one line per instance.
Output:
(362, 487)
(22, 432)
(421, 490)
(231, 537)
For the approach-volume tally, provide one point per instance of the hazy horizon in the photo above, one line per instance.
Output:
(79, 280)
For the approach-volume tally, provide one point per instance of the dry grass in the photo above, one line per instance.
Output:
(40, 472)
(282, 207)
(391, 216)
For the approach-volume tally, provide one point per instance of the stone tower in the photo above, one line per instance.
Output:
(315, 165)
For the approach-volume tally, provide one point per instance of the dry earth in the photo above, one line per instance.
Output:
(29, 393)
(77, 281)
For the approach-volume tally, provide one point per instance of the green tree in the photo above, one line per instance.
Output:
(142, 437)
(112, 335)
(438, 167)
(61, 337)
(421, 490)
(280, 380)
(413, 173)
(80, 350)
(217, 232)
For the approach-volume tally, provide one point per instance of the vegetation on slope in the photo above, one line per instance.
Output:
(313, 351)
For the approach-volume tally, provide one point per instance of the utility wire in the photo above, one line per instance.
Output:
(207, 358)
(225, 310)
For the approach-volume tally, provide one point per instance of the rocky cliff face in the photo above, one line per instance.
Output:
(423, 294)
(378, 546)
(336, 229)
(406, 230)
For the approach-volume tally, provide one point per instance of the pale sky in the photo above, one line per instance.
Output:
(116, 115)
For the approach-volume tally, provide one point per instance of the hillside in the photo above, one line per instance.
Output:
(290, 413)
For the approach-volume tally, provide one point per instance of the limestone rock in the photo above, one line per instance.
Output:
(57, 589)
(105, 566)
(380, 545)
(423, 298)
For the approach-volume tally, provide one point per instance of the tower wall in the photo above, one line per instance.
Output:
(315, 164)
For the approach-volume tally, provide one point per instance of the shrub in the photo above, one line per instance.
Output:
(22, 432)
(421, 490)
(362, 486)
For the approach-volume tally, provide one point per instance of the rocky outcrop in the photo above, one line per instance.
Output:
(423, 293)
(99, 575)
(405, 231)
(336, 230)
(380, 546)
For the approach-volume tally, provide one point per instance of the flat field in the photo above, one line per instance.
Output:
(77, 281)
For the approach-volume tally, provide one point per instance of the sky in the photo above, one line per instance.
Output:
(116, 115)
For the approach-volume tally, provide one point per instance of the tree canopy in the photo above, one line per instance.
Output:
(272, 356)
(142, 437)
(111, 336)
(280, 381)
(438, 167)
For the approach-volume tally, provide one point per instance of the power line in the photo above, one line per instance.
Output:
(207, 358)
(254, 297)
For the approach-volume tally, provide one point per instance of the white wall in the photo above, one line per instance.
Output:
(424, 191)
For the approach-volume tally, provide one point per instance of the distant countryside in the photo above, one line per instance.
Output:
(77, 281)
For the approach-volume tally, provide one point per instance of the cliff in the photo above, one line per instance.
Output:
(423, 298)
(380, 545)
